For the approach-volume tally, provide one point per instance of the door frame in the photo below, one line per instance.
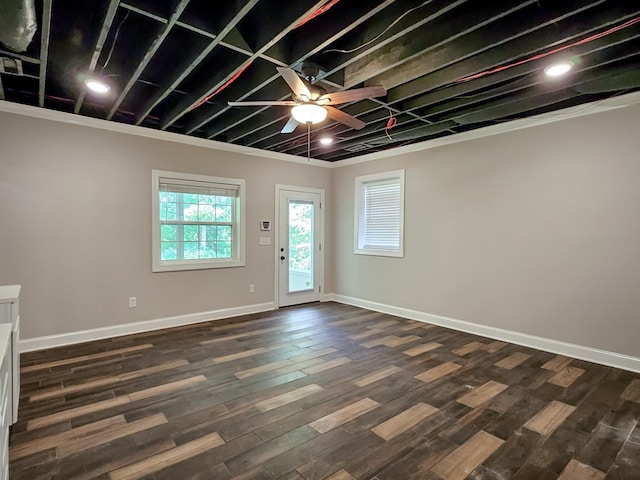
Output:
(276, 234)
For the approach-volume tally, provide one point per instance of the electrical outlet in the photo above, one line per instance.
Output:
(252, 288)
(133, 302)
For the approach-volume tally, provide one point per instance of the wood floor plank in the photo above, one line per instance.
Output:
(51, 419)
(328, 365)
(420, 349)
(566, 376)
(404, 421)
(550, 418)
(513, 360)
(239, 355)
(286, 398)
(103, 382)
(365, 334)
(84, 358)
(341, 475)
(632, 392)
(19, 451)
(267, 367)
(308, 356)
(344, 415)
(468, 348)
(440, 371)
(167, 387)
(377, 375)
(482, 394)
(466, 458)
(579, 471)
(173, 456)
(76, 445)
(557, 363)
(113, 402)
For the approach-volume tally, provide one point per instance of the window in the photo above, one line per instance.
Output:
(198, 221)
(379, 214)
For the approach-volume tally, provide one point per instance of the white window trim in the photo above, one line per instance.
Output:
(240, 240)
(360, 183)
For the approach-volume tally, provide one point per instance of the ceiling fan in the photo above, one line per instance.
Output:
(312, 104)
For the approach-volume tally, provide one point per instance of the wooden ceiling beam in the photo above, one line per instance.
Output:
(185, 70)
(485, 40)
(425, 12)
(476, 15)
(555, 33)
(44, 49)
(580, 75)
(148, 56)
(102, 37)
(315, 44)
(300, 11)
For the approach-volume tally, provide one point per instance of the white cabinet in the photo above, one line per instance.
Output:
(5, 397)
(10, 314)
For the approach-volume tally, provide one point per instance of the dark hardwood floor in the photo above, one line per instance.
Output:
(322, 391)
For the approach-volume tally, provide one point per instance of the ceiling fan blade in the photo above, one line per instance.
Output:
(344, 118)
(286, 103)
(352, 95)
(290, 126)
(295, 82)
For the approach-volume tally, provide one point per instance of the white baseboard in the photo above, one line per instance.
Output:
(589, 354)
(41, 343)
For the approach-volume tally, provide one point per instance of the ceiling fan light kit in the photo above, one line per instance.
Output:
(309, 113)
(311, 104)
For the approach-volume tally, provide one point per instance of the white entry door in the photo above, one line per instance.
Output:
(299, 248)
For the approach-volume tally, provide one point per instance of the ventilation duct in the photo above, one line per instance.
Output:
(18, 23)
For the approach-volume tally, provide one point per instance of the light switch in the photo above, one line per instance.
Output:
(265, 240)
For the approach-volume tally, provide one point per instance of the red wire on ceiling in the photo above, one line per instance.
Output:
(591, 38)
(222, 87)
(392, 122)
(317, 13)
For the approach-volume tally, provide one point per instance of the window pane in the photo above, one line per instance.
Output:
(190, 212)
(224, 250)
(207, 213)
(191, 233)
(224, 234)
(208, 250)
(190, 250)
(168, 251)
(168, 233)
(223, 214)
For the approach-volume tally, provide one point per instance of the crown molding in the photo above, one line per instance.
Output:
(70, 118)
(599, 106)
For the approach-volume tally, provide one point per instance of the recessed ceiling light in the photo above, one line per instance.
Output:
(326, 141)
(97, 86)
(558, 69)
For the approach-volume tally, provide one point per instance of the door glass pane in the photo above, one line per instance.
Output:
(300, 245)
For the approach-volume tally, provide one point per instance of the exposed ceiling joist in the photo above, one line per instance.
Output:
(44, 49)
(153, 49)
(102, 37)
(186, 70)
(302, 10)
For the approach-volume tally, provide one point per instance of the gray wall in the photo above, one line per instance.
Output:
(535, 231)
(75, 225)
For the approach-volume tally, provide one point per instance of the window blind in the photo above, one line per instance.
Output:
(198, 188)
(382, 215)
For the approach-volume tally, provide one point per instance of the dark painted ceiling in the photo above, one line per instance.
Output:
(448, 66)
